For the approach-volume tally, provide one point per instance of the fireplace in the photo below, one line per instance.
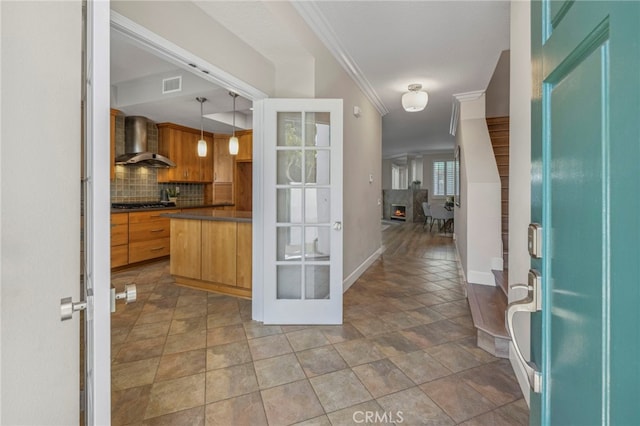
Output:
(398, 212)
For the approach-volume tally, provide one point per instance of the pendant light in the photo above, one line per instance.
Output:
(233, 141)
(202, 144)
(415, 99)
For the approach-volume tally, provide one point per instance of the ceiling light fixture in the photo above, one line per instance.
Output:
(415, 99)
(233, 141)
(202, 144)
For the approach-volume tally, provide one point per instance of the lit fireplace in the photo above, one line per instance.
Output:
(398, 212)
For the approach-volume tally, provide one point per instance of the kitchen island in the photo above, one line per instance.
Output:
(211, 250)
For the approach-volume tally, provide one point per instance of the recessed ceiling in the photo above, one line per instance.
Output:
(133, 66)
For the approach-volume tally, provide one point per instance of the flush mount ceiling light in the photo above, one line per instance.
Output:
(233, 141)
(202, 144)
(415, 99)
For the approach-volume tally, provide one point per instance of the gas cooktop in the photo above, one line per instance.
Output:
(142, 205)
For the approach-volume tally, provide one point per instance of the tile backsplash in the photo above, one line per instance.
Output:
(140, 183)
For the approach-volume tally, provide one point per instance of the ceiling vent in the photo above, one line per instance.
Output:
(171, 85)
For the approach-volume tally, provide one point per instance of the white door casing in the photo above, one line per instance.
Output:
(302, 214)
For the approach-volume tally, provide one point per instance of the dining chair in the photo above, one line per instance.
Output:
(426, 210)
(442, 215)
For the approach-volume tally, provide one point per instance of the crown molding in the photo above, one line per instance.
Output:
(323, 30)
(455, 107)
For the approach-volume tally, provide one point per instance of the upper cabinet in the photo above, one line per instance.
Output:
(180, 144)
(112, 170)
(223, 161)
(245, 148)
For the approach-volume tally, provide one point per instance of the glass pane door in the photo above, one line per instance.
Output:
(306, 286)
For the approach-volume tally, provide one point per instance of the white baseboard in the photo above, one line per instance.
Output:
(521, 375)
(352, 278)
(485, 278)
(497, 263)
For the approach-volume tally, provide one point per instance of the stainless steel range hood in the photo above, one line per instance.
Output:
(135, 146)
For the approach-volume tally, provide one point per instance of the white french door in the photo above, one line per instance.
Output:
(302, 184)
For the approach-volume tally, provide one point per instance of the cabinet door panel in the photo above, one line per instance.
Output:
(219, 252)
(243, 260)
(223, 161)
(186, 254)
(149, 230)
(145, 250)
(119, 229)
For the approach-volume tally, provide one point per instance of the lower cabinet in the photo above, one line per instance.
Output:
(219, 252)
(243, 255)
(139, 236)
(212, 255)
(119, 239)
(186, 241)
(149, 235)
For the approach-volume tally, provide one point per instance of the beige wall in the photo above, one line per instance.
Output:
(184, 24)
(520, 168)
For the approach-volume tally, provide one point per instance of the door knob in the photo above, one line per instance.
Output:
(68, 307)
(337, 226)
(129, 295)
(532, 303)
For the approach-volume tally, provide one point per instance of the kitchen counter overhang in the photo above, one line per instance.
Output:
(211, 214)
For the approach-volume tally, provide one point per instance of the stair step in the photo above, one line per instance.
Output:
(501, 150)
(488, 306)
(495, 120)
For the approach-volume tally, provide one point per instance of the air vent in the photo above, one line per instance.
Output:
(172, 84)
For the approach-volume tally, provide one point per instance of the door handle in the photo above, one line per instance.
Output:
(337, 226)
(130, 294)
(532, 303)
(68, 307)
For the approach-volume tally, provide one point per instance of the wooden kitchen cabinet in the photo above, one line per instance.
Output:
(180, 144)
(112, 134)
(149, 235)
(219, 252)
(213, 255)
(245, 145)
(186, 237)
(119, 239)
(222, 160)
(243, 255)
(222, 170)
(243, 173)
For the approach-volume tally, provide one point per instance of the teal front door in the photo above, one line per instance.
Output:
(585, 194)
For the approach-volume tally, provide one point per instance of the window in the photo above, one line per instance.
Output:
(443, 178)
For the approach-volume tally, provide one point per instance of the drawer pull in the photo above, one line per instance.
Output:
(157, 230)
(157, 248)
(154, 215)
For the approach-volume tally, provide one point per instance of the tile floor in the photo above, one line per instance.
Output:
(406, 353)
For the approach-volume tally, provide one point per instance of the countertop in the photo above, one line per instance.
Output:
(177, 206)
(210, 214)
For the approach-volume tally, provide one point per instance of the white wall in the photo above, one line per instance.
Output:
(520, 171)
(478, 227)
(40, 220)
(185, 25)
(497, 92)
